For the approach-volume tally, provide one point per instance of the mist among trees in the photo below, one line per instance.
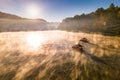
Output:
(104, 21)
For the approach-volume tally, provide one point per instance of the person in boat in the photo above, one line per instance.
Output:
(85, 40)
(78, 47)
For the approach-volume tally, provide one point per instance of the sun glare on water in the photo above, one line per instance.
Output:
(34, 40)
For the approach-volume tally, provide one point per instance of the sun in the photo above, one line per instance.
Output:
(34, 40)
(33, 11)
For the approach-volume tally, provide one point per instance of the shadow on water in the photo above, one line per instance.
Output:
(96, 71)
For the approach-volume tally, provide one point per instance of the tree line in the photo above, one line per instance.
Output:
(104, 21)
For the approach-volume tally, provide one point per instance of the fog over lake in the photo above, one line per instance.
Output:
(48, 55)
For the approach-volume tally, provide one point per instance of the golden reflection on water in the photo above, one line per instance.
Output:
(48, 55)
(34, 40)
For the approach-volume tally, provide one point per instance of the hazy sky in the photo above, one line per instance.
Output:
(53, 10)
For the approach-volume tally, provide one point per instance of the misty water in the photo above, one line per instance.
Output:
(48, 55)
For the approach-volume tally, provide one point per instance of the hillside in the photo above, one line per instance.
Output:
(104, 21)
(9, 22)
(8, 16)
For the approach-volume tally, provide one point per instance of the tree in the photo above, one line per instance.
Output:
(99, 11)
(111, 7)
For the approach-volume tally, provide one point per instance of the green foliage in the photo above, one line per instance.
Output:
(105, 21)
(111, 7)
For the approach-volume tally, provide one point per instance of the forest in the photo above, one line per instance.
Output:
(103, 21)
